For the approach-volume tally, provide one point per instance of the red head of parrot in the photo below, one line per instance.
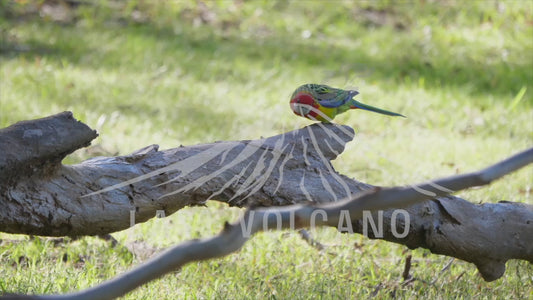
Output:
(303, 104)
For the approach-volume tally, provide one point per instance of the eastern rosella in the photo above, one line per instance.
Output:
(320, 102)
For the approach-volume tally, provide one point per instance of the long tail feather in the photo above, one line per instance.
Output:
(357, 104)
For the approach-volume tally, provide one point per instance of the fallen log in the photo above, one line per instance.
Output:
(39, 195)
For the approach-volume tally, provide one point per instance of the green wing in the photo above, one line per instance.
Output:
(331, 97)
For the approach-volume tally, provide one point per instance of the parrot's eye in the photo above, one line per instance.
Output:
(322, 90)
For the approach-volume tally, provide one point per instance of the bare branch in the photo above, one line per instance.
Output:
(108, 194)
(233, 236)
(97, 196)
(35, 145)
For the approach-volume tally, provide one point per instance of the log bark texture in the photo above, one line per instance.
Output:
(39, 195)
(99, 196)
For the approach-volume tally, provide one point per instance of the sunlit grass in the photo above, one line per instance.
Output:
(456, 71)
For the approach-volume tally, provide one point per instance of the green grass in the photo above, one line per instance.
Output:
(184, 73)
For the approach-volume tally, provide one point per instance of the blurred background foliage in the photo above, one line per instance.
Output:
(186, 72)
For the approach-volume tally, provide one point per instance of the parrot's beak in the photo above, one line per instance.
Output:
(353, 93)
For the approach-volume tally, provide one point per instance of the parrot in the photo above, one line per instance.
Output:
(319, 102)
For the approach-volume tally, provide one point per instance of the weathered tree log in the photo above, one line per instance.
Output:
(38, 146)
(96, 196)
(100, 195)
(235, 235)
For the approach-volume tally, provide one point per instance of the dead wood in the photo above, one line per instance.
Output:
(40, 196)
